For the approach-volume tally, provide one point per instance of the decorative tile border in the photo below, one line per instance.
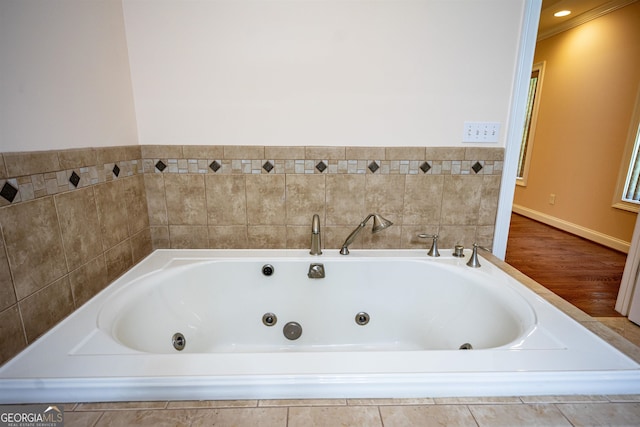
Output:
(446, 161)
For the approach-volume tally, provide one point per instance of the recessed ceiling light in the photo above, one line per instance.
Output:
(562, 13)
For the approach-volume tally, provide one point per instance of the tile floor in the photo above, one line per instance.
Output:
(504, 411)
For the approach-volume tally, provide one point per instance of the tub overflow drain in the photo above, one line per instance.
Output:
(179, 341)
(292, 330)
(362, 318)
(466, 346)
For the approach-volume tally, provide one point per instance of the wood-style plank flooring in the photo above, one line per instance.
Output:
(582, 272)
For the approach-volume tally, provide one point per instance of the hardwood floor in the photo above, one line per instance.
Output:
(584, 273)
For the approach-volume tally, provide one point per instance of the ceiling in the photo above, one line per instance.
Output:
(581, 11)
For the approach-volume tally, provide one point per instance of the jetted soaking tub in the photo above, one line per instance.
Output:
(247, 324)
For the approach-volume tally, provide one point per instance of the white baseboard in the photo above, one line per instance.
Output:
(578, 230)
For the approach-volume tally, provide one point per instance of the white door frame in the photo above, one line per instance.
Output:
(526, 50)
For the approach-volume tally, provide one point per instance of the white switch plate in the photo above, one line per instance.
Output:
(481, 132)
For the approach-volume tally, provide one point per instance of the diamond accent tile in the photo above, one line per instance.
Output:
(373, 167)
(116, 170)
(74, 179)
(9, 192)
(321, 166)
(425, 167)
(477, 167)
(267, 166)
(160, 166)
(215, 166)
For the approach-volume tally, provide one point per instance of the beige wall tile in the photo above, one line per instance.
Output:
(88, 280)
(186, 204)
(451, 235)
(160, 237)
(202, 151)
(243, 152)
(489, 199)
(112, 213)
(228, 237)
(33, 244)
(384, 194)
(265, 199)
(270, 237)
(188, 237)
(405, 153)
(483, 153)
(161, 151)
(299, 236)
(7, 292)
(79, 226)
(226, 199)
(422, 199)
(110, 154)
(461, 199)
(43, 309)
(365, 153)
(156, 200)
(334, 237)
(141, 245)
(345, 199)
(11, 333)
(118, 259)
(325, 153)
(444, 153)
(305, 196)
(30, 163)
(389, 238)
(136, 204)
(284, 153)
(77, 158)
(3, 169)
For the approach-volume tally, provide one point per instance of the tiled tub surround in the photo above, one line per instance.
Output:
(80, 218)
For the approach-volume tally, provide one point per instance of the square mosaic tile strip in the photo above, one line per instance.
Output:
(24, 188)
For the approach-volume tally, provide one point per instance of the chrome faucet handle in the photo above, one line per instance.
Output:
(434, 245)
(474, 262)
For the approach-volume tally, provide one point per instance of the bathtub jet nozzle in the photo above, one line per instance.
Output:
(379, 224)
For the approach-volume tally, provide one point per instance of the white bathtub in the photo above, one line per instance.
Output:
(380, 324)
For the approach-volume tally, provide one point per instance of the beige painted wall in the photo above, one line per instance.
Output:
(65, 76)
(321, 72)
(590, 82)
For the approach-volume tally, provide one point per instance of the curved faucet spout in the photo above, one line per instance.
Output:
(316, 239)
(379, 224)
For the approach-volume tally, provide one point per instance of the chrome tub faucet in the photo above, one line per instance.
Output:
(316, 239)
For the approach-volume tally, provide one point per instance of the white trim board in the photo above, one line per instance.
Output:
(578, 230)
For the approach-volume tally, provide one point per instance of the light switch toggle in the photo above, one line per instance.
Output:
(481, 132)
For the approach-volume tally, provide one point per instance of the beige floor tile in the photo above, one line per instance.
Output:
(331, 416)
(518, 415)
(116, 406)
(387, 402)
(81, 419)
(433, 415)
(302, 402)
(564, 399)
(513, 400)
(252, 417)
(151, 418)
(602, 414)
(211, 404)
